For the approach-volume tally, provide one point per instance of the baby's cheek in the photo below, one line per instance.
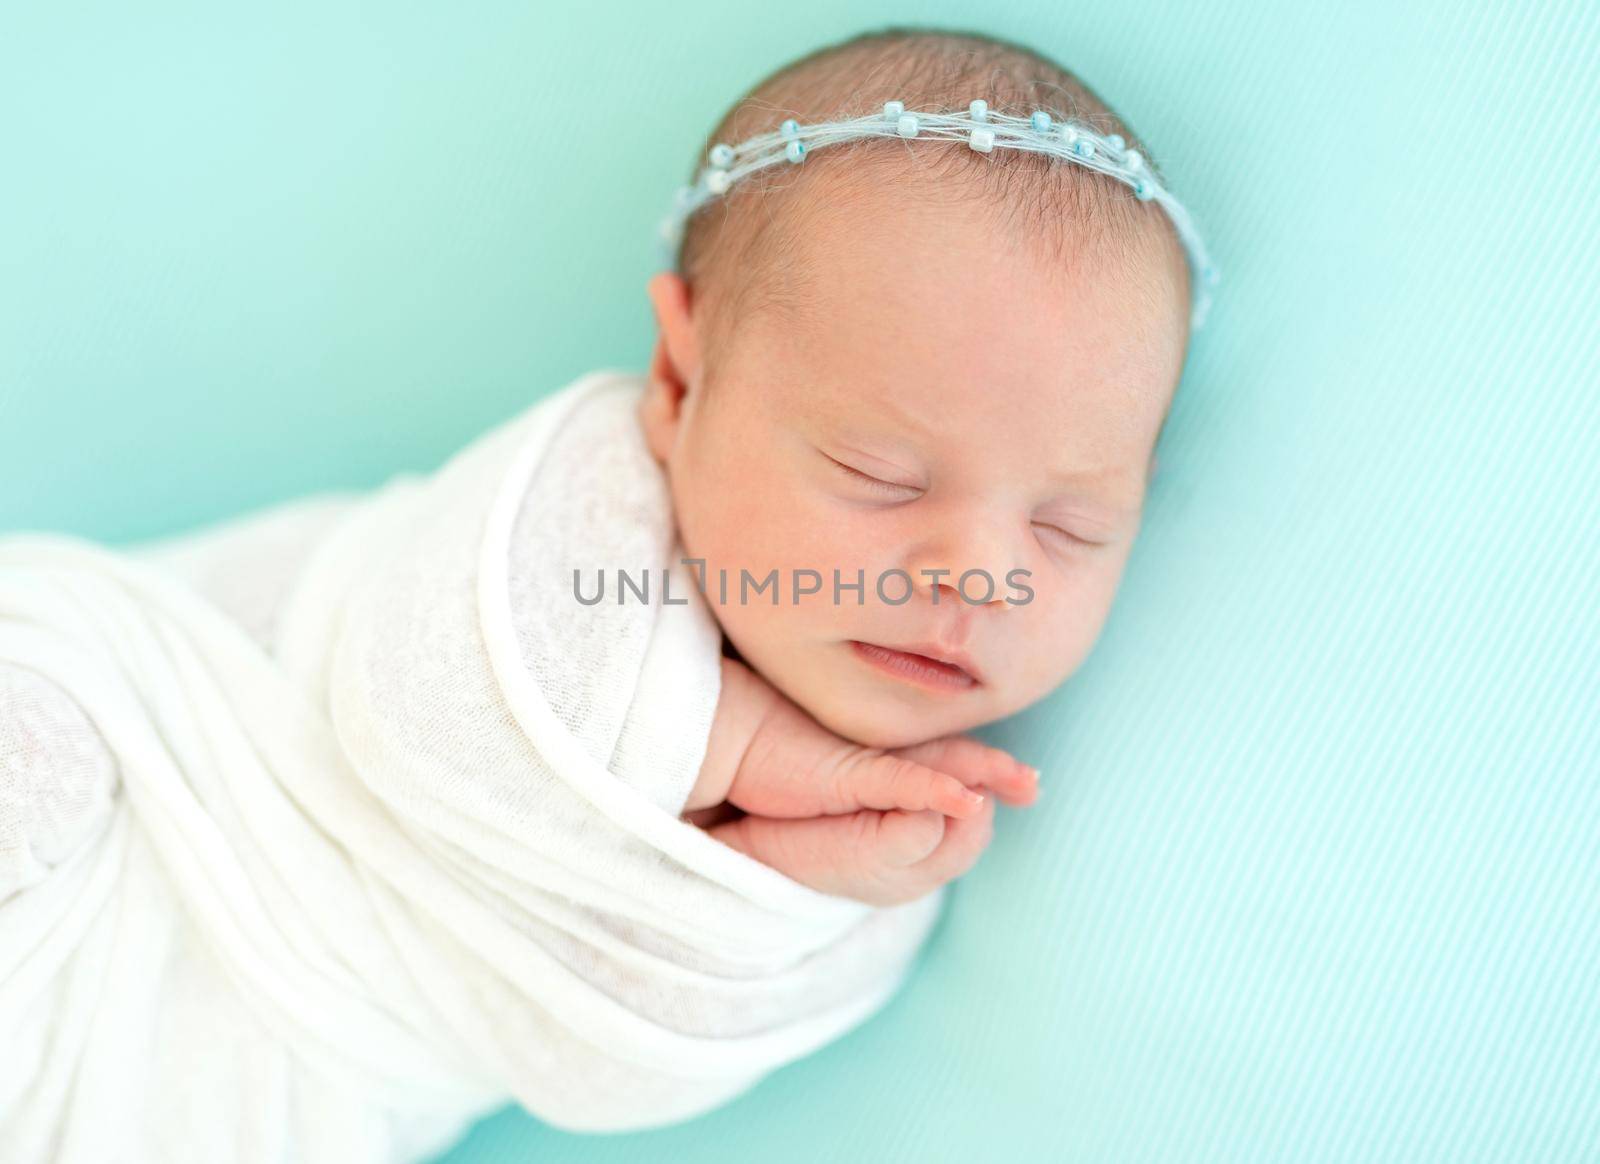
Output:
(745, 527)
(798, 531)
(1070, 621)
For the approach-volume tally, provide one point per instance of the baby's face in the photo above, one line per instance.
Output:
(942, 403)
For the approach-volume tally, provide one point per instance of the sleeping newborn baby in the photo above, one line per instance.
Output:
(326, 832)
(905, 357)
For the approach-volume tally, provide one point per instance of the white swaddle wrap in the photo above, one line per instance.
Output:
(342, 897)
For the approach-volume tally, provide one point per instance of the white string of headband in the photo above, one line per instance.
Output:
(983, 132)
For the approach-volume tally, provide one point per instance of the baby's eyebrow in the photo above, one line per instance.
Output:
(865, 438)
(1095, 490)
(1089, 477)
(1085, 484)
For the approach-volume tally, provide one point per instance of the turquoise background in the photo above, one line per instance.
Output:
(1316, 872)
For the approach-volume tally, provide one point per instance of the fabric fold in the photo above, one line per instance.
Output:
(421, 857)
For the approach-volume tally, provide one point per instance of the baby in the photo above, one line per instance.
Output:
(919, 357)
(425, 838)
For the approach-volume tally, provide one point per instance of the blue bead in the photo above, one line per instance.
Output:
(722, 155)
(1142, 190)
(789, 128)
(1083, 147)
(1115, 141)
(979, 110)
(893, 109)
(1040, 121)
(907, 125)
(795, 151)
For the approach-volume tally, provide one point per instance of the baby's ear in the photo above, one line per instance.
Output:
(658, 417)
(677, 355)
(673, 364)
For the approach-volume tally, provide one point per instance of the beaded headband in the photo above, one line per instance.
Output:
(984, 132)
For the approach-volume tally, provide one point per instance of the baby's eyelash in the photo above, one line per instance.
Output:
(857, 474)
(1071, 537)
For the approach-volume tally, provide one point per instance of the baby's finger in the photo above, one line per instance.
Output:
(958, 850)
(978, 765)
(885, 781)
(861, 855)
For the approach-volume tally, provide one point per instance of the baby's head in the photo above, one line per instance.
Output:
(904, 356)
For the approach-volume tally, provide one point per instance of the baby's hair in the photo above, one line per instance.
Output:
(740, 253)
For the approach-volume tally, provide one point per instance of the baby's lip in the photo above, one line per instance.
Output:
(954, 656)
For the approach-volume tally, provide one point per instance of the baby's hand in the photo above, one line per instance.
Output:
(795, 767)
(880, 826)
(881, 858)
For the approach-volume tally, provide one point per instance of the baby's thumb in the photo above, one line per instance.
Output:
(899, 838)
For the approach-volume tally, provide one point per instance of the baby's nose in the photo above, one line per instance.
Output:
(976, 578)
(980, 588)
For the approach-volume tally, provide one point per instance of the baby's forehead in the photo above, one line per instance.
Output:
(881, 239)
(915, 277)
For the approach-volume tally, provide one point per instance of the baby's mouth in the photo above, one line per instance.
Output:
(914, 667)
